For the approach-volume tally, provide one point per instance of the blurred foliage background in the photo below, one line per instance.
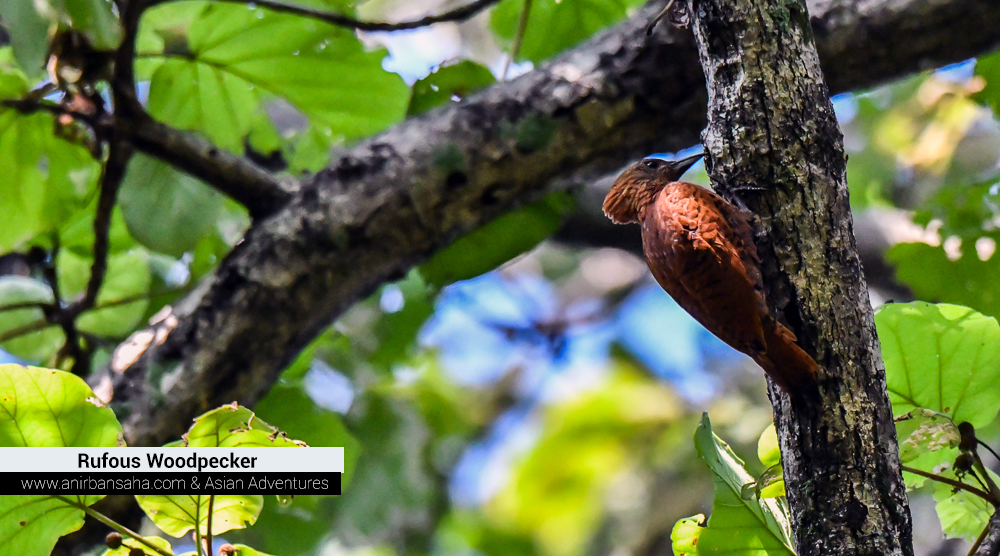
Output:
(515, 395)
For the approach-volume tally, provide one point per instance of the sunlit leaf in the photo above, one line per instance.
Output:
(941, 357)
(738, 524)
(212, 66)
(232, 425)
(685, 535)
(129, 544)
(49, 408)
(928, 441)
(962, 515)
(177, 514)
(30, 525)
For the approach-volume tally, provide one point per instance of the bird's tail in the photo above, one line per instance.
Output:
(785, 362)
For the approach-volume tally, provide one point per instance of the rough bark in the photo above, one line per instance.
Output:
(771, 128)
(389, 202)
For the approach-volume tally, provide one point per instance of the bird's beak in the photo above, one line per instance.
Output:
(682, 165)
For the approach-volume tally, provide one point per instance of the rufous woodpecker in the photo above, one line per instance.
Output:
(700, 249)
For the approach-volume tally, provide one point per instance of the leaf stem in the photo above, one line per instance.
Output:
(208, 529)
(121, 529)
(953, 483)
(515, 48)
(197, 526)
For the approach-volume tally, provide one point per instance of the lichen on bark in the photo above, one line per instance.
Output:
(773, 144)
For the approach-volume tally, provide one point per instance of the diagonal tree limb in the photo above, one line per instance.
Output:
(390, 201)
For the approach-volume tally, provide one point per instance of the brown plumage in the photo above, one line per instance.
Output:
(700, 249)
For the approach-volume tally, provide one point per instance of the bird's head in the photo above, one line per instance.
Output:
(637, 187)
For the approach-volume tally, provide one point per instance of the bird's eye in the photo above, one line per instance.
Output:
(652, 164)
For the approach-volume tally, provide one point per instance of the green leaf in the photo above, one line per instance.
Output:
(13, 81)
(495, 243)
(30, 525)
(941, 357)
(457, 80)
(988, 67)
(96, 19)
(175, 515)
(29, 34)
(244, 550)
(44, 180)
(923, 430)
(685, 535)
(931, 275)
(49, 408)
(77, 233)
(928, 440)
(295, 413)
(232, 425)
(768, 450)
(128, 544)
(36, 346)
(964, 209)
(216, 63)
(29, 24)
(555, 25)
(962, 514)
(397, 332)
(128, 277)
(757, 525)
(166, 210)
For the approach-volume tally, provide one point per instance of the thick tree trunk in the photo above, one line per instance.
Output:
(772, 129)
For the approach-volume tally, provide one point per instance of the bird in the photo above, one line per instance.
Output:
(699, 248)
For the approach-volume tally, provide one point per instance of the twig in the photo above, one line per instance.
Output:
(659, 16)
(197, 526)
(208, 530)
(461, 13)
(256, 189)
(45, 323)
(30, 105)
(122, 530)
(515, 47)
(979, 540)
(990, 450)
(953, 483)
(111, 179)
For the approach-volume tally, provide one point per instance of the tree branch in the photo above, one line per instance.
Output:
(958, 485)
(461, 13)
(385, 205)
(259, 191)
(989, 543)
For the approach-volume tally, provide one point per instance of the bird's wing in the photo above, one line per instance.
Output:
(706, 264)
